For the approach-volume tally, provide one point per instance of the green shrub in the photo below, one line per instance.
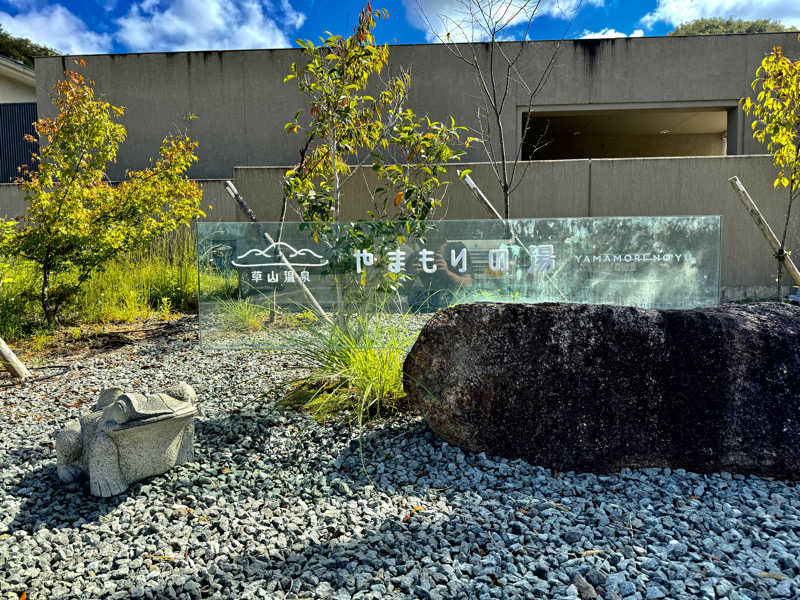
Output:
(76, 222)
(140, 283)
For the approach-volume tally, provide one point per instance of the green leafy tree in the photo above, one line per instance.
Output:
(776, 122)
(350, 131)
(22, 49)
(76, 219)
(720, 26)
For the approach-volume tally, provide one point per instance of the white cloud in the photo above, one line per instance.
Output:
(464, 22)
(58, 28)
(211, 24)
(291, 17)
(675, 12)
(609, 33)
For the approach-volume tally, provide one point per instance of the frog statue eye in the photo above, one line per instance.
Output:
(117, 412)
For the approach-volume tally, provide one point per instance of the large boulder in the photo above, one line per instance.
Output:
(596, 388)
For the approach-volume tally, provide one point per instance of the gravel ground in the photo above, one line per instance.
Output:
(276, 506)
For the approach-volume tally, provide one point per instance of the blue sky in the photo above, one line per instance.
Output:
(99, 26)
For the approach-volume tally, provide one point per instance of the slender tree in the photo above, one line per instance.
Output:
(475, 33)
(776, 122)
(349, 131)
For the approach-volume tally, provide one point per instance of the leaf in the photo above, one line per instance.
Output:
(495, 580)
(772, 575)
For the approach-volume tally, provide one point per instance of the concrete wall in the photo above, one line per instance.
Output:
(568, 188)
(698, 186)
(602, 187)
(12, 90)
(12, 201)
(216, 202)
(242, 102)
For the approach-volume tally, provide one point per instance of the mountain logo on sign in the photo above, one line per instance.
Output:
(287, 250)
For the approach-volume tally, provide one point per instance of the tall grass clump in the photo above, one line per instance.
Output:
(241, 314)
(18, 306)
(157, 280)
(356, 366)
(142, 283)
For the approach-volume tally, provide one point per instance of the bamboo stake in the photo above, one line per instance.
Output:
(766, 230)
(12, 363)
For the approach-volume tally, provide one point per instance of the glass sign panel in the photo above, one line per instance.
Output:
(260, 284)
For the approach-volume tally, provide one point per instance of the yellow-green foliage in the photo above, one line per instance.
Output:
(16, 297)
(141, 283)
(355, 119)
(357, 366)
(76, 220)
(776, 114)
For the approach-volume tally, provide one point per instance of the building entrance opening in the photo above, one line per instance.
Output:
(552, 135)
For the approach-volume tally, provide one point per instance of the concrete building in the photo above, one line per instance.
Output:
(605, 98)
(626, 120)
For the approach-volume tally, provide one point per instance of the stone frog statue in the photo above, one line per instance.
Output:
(127, 437)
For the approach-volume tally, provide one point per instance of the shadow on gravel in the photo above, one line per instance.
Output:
(45, 500)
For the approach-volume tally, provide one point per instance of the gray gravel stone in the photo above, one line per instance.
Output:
(277, 506)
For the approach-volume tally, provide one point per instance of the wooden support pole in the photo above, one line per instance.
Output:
(762, 224)
(12, 363)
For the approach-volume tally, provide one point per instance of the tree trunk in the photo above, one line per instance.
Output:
(45, 298)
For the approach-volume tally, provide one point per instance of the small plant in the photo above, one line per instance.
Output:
(165, 310)
(243, 315)
(41, 339)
